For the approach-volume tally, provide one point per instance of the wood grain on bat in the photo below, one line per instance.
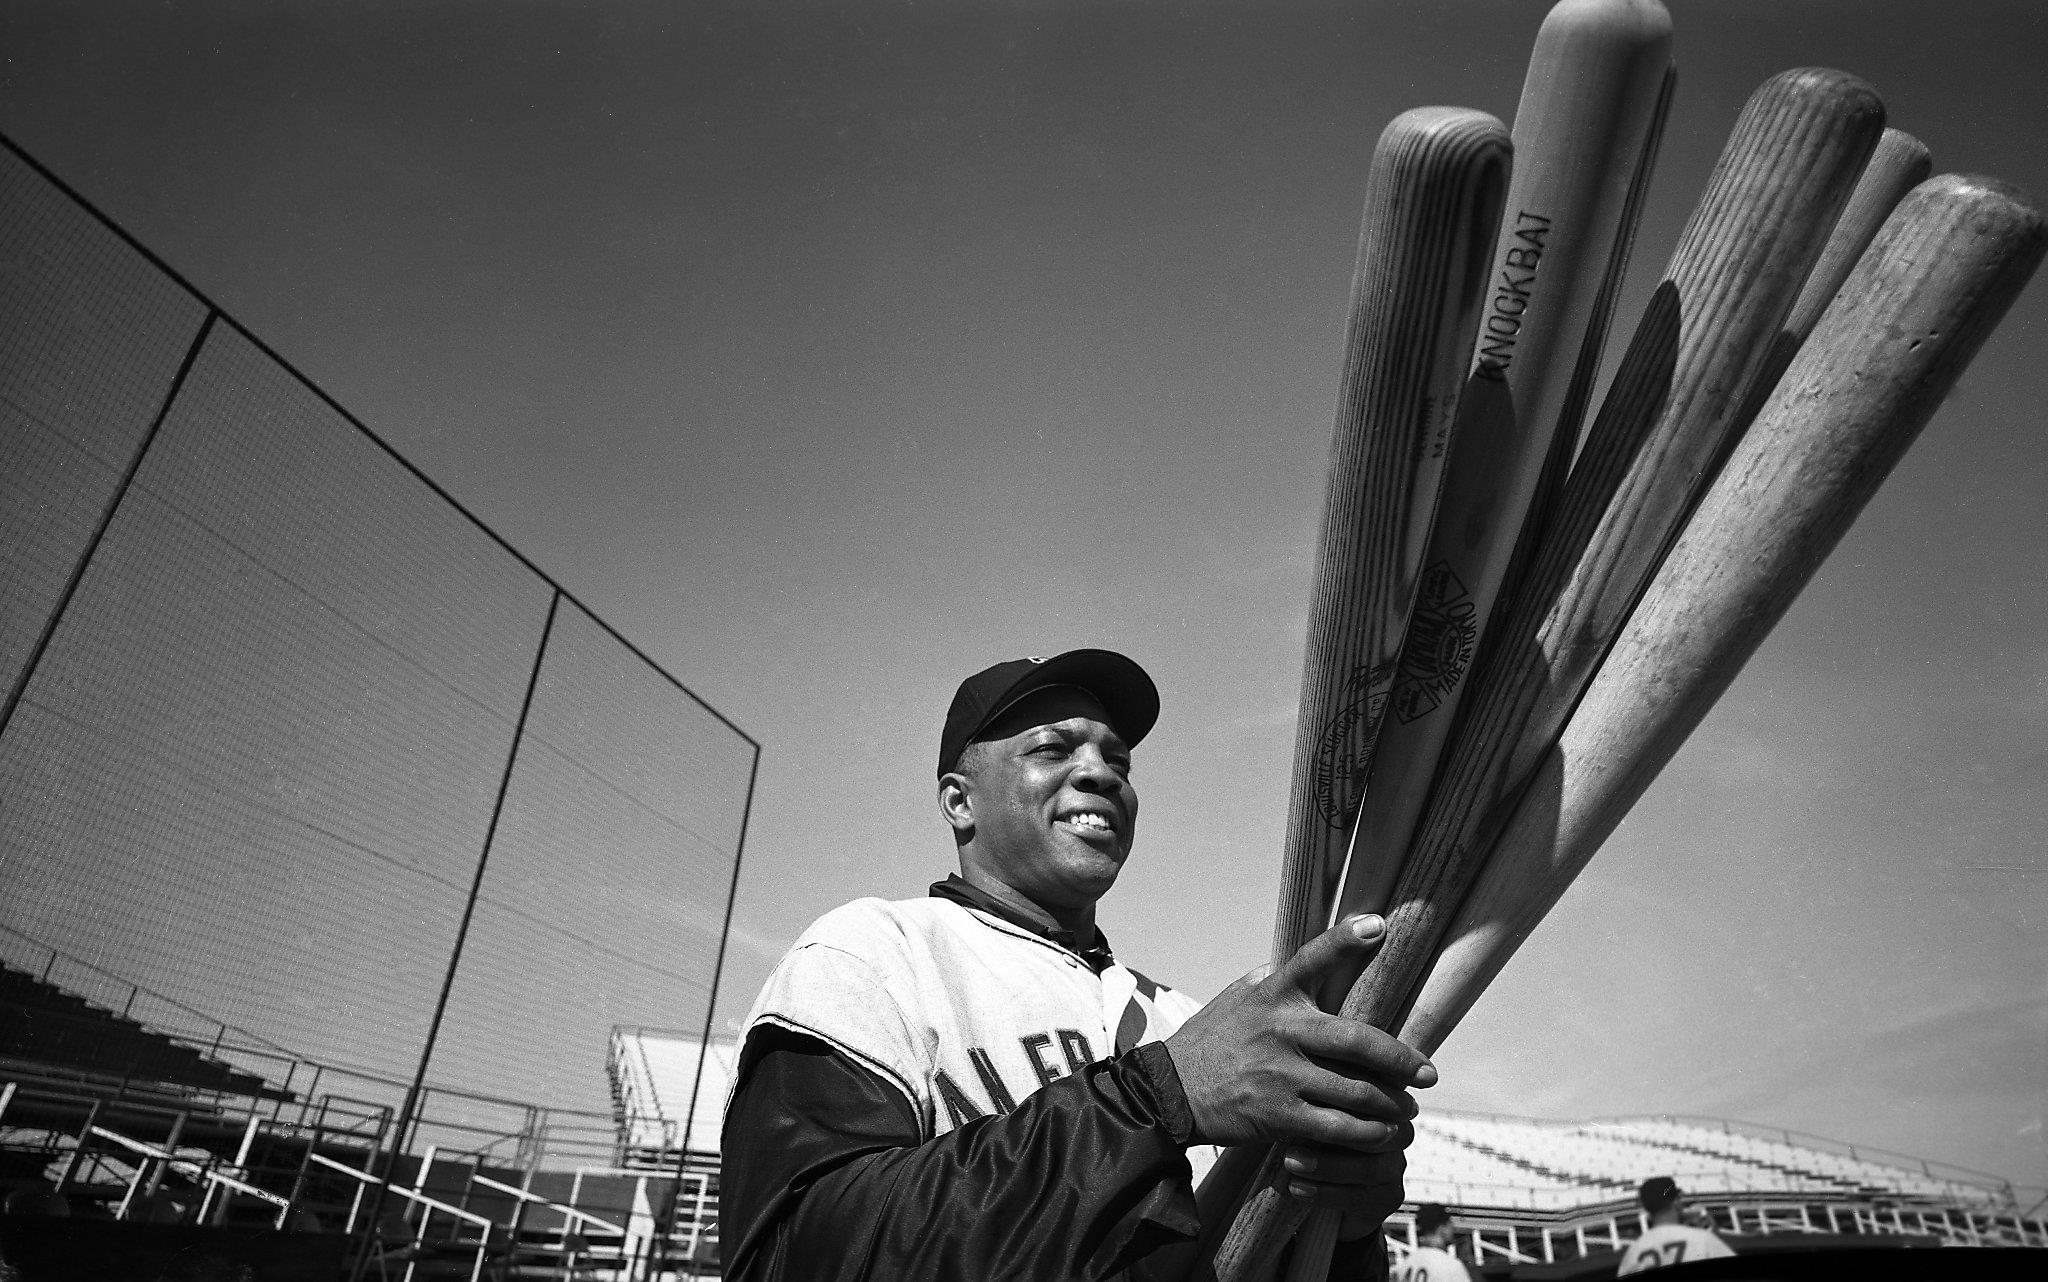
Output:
(1898, 164)
(1916, 308)
(1432, 205)
(1432, 208)
(1789, 166)
(1584, 136)
(1787, 170)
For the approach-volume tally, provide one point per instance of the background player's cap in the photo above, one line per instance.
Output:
(1431, 1216)
(1658, 1190)
(1120, 685)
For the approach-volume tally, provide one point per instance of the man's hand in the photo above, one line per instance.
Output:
(1366, 1187)
(1263, 1064)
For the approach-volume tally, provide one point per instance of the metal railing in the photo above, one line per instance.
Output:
(571, 1245)
(428, 1205)
(207, 1171)
(1946, 1172)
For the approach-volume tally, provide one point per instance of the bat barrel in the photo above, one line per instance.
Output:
(1789, 166)
(1432, 204)
(1432, 207)
(1900, 163)
(1916, 308)
(1584, 137)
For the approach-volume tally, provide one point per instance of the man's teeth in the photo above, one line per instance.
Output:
(1088, 820)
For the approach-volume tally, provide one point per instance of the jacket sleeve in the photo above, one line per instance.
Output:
(825, 1177)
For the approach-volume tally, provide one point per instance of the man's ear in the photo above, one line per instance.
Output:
(956, 803)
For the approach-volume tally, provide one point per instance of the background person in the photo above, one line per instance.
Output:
(1433, 1259)
(1668, 1240)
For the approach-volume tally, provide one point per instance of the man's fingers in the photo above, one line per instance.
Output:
(1375, 1200)
(1362, 1050)
(1366, 1101)
(1364, 1187)
(1315, 1125)
(1335, 956)
(1341, 1166)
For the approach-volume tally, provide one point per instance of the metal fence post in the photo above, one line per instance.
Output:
(408, 1111)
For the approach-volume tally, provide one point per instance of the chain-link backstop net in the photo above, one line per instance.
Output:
(283, 724)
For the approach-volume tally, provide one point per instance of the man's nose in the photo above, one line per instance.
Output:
(1092, 768)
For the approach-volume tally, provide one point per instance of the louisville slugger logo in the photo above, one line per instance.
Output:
(1442, 634)
(1344, 754)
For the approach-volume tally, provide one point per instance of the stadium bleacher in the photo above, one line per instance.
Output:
(42, 1023)
(1529, 1191)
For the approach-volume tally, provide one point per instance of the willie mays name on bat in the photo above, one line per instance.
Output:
(1510, 299)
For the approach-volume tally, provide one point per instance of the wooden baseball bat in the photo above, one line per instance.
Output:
(1584, 135)
(1789, 166)
(1900, 163)
(1896, 167)
(1908, 320)
(1432, 205)
(1564, 445)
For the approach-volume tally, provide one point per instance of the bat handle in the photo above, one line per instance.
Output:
(1314, 1244)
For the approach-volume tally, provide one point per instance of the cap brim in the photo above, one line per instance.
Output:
(1124, 690)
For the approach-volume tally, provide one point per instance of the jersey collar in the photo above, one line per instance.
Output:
(961, 891)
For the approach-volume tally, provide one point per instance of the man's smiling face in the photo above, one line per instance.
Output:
(1046, 790)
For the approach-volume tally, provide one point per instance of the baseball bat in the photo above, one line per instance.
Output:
(1789, 166)
(1910, 317)
(1900, 162)
(1583, 134)
(1564, 445)
(1432, 204)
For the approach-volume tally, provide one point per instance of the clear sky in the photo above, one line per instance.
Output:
(832, 351)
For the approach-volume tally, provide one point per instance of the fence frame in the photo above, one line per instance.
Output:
(213, 318)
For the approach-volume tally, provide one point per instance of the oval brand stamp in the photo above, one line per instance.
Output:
(1344, 754)
(1442, 635)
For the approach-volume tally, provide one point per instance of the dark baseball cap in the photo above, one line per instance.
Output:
(1123, 689)
(1431, 1216)
(1658, 1190)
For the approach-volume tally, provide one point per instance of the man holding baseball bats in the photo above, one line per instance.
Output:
(971, 1085)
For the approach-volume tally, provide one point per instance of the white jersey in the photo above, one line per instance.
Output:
(1666, 1244)
(1430, 1264)
(965, 1013)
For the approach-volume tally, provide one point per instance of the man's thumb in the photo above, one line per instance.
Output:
(1326, 966)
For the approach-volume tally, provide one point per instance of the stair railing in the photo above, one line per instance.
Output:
(572, 1215)
(205, 1173)
(428, 1206)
